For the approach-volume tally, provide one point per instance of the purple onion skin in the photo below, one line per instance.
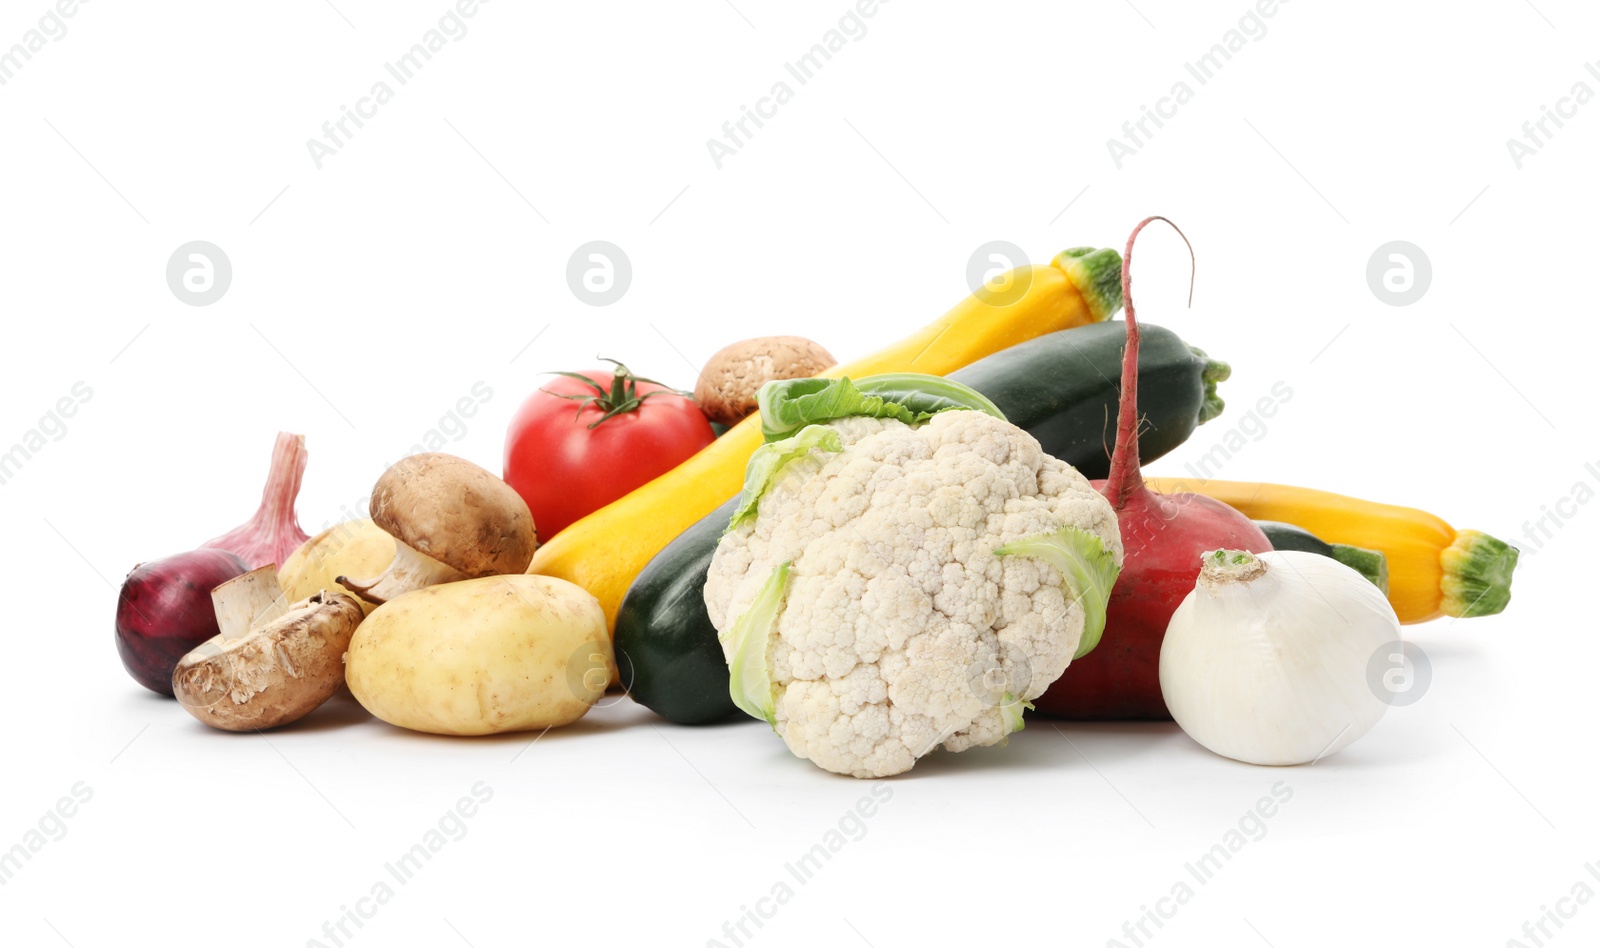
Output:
(165, 610)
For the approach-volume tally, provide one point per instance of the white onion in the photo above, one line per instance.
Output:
(1266, 659)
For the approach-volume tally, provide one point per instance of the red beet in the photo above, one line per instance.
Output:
(1163, 537)
(164, 611)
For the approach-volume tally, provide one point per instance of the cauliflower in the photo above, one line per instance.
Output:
(860, 600)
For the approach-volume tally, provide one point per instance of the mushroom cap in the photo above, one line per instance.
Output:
(456, 512)
(274, 674)
(726, 389)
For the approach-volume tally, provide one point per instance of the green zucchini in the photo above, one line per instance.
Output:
(1369, 563)
(668, 656)
(1063, 387)
(1060, 387)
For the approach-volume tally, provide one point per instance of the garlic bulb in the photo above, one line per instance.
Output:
(1266, 660)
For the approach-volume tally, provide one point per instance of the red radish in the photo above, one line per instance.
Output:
(165, 610)
(1163, 537)
(273, 533)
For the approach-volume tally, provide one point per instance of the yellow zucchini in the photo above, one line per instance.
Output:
(604, 551)
(1434, 569)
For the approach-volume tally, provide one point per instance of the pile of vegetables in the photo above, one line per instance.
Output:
(907, 552)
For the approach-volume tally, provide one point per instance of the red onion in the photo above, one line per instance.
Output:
(165, 610)
(273, 533)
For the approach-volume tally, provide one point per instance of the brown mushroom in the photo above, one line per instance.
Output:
(726, 389)
(273, 662)
(451, 520)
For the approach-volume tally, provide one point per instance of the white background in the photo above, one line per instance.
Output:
(423, 257)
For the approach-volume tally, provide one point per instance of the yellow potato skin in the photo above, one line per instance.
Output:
(355, 548)
(482, 656)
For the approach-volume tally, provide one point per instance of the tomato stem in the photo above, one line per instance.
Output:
(622, 397)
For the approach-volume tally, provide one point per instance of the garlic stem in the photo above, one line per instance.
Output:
(283, 479)
(272, 532)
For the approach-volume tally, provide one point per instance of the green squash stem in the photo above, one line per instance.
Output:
(1477, 575)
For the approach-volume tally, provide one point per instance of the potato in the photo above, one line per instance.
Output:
(482, 656)
(353, 548)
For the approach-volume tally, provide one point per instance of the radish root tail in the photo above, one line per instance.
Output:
(1125, 477)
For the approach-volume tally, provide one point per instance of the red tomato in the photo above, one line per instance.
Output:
(567, 463)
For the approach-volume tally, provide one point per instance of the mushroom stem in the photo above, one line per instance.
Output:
(410, 569)
(248, 602)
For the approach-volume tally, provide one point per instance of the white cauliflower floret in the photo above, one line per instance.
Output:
(871, 602)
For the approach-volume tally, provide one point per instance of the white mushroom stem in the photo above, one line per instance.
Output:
(410, 569)
(248, 602)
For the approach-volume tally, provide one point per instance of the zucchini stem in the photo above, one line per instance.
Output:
(1097, 273)
(1369, 563)
(1211, 404)
(1477, 575)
